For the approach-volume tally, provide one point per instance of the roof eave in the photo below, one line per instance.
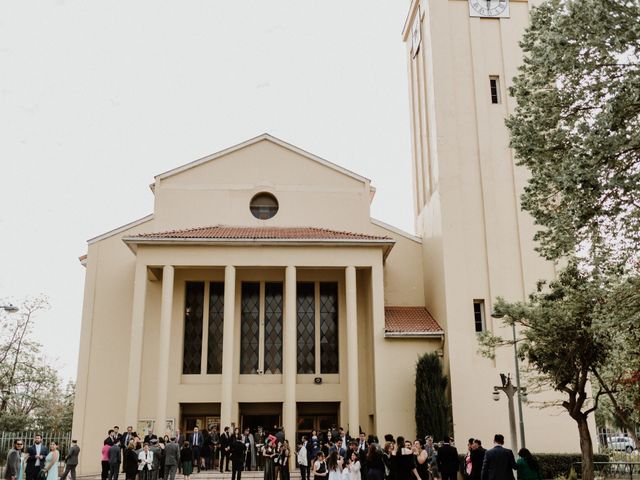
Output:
(439, 334)
(133, 242)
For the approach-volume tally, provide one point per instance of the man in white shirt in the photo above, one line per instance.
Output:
(35, 461)
(303, 461)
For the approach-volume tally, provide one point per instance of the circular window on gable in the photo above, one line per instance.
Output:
(264, 206)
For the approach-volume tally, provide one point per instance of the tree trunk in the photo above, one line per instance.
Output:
(586, 448)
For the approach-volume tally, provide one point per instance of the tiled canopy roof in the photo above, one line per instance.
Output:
(416, 321)
(220, 232)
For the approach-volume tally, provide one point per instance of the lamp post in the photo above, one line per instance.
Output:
(9, 308)
(510, 390)
(518, 389)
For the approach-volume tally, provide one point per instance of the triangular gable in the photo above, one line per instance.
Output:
(259, 138)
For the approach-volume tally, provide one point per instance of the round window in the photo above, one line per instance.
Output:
(264, 206)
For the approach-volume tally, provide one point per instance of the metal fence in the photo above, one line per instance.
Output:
(624, 455)
(7, 440)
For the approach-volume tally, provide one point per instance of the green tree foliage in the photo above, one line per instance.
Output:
(31, 391)
(569, 340)
(576, 127)
(432, 408)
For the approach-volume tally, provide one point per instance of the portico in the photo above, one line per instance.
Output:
(171, 266)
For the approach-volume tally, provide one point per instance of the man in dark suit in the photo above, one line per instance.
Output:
(448, 460)
(71, 462)
(196, 441)
(127, 437)
(224, 450)
(238, 452)
(35, 461)
(499, 462)
(171, 459)
(477, 459)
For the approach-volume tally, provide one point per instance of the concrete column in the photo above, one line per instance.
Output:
(228, 354)
(289, 354)
(352, 352)
(381, 423)
(166, 309)
(135, 344)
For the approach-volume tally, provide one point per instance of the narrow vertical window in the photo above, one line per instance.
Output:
(306, 322)
(216, 327)
(193, 311)
(273, 328)
(250, 328)
(329, 355)
(478, 315)
(494, 85)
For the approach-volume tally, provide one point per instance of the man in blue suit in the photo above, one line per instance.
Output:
(196, 440)
(37, 453)
(499, 462)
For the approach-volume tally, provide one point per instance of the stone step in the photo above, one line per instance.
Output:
(209, 475)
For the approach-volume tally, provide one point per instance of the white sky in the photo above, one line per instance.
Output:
(96, 97)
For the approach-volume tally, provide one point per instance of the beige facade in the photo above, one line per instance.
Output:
(132, 353)
(477, 243)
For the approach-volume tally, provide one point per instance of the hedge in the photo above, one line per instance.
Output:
(554, 465)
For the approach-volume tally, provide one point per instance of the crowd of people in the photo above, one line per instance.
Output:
(331, 455)
(39, 462)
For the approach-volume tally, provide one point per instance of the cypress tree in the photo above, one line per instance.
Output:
(432, 409)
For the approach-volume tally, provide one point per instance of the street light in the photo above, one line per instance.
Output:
(510, 390)
(522, 392)
(9, 308)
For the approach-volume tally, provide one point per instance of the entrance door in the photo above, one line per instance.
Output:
(266, 421)
(316, 416)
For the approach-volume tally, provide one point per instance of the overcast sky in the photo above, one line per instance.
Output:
(97, 97)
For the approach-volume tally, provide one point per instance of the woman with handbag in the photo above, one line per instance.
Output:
(51, 463)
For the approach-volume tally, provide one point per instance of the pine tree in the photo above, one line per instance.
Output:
(432, 408)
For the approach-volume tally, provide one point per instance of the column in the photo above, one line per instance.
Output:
(135, 344)
(379, 367)
(352, 351)
(166, 308)
(289, 364)
(228, 356)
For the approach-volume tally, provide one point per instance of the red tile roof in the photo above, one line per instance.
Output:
(260, 233)
(410, 320)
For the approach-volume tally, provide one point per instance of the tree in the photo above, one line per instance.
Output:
(31, 392)
(562, 342)
(432, 409)
(576, 128)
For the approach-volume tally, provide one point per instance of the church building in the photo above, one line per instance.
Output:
(260, 291)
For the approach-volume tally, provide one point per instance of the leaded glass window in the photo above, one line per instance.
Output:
(306, 323)
(193, 311)
(329, 354)
(273, 328)
(250, 327)
(216, 327)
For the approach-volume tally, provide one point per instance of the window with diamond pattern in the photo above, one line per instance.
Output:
(329, 354)
(216, 327)
(193, 311)
(273, 328)
(250, 327)
(306, 327)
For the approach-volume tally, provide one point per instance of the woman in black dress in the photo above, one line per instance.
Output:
(405, 461)
(421, 460)
(131, 461)
(375, 465)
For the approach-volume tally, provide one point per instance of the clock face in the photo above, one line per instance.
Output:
(489, 8)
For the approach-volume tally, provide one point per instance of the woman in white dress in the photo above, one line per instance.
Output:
(334, 466)
(354, 467)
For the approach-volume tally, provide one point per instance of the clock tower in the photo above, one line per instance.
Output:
(477, 242)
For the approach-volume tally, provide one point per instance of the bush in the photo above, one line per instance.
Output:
(432, 409)
(559, 464)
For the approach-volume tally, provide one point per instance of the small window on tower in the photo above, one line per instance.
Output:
(478, 315)
(494, 84)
